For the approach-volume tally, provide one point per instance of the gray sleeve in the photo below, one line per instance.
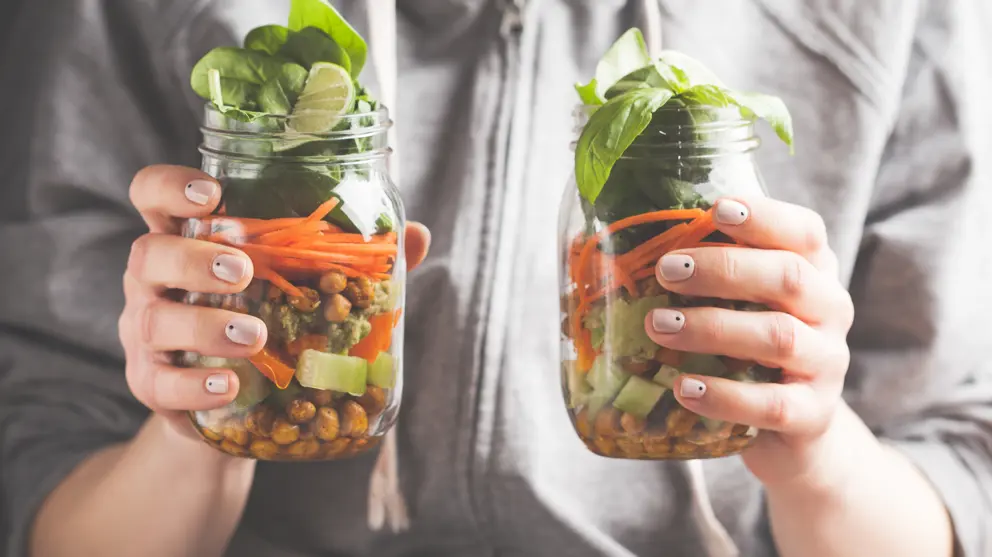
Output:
(84, 109)
(921, 375)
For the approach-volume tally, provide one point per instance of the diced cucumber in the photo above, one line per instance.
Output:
(382, 372)
(253, 387)
(578, 388)
(666, 376)
(703, 364)
(638, 397)
(332, 372)
(606, 380)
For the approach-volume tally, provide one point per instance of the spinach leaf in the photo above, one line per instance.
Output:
(267, 38)
(249, 67)
(609, 132)
(323, 16)
(273, 99)
(627, 54)
(312, 45)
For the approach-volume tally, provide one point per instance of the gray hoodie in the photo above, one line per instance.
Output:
(893, 120)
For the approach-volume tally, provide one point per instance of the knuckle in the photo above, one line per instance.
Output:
(782, 333)
(147, 322)
(778, 413)
(710, 324)
(816, 233)
(795, 276)
(729, 265)
(138, 257)
(134, 190)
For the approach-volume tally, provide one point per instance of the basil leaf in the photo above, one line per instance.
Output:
(654, 76)
(627, 54)
(323, 16)
(268, 38)
(609, 132)
(770, 109)
(690, 72)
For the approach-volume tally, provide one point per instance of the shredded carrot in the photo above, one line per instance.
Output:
(277, 280)
(698, 229)
(291, 232)
(323, 210)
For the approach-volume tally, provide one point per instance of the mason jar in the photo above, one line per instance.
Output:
(617, 383)
(322, 223)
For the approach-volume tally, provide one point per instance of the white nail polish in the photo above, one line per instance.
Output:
(730, 212)
(243, 330)
(217, 384)
(667, 321)
(692, 388)
(229, 268)
(676, 267)
(200, 191)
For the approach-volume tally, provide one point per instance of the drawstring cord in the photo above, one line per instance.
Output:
(716, 539)
(386, 502)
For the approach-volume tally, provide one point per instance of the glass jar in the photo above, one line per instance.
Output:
(617, 383)
(322, 223)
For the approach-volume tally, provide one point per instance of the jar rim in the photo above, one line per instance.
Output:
(277, 126)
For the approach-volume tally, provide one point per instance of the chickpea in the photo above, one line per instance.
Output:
(332, 282)
(327, 426)
(211, 434)
(679, 422)
(354, 420)
(741, 430)
(657, 446)
(582, 425)
(360, 292)
(337, 308)
(374, 400)
(684, 449)
(304, 449)
(232, 448)
(739, 443)
(360, 446)
(285, 433)
(632, 424)
(320, 397)
(259, 421)
(263, 449)
(630, 447)
(605, 447)
(607, 422)
(337, 447)
(308, 302)
(236, 434)
(300, 411)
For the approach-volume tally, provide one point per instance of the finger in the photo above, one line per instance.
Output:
(418, 242)
(765, 223)
(793, 408)
(165, 388)
(163, 194)
(167, 326)
(773, 339)
(778, 279)
(160, 261)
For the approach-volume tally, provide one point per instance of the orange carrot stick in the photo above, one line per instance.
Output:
(308, 254)
(324, 209)
(698, 229)
(277, 280)
(273, 368)
(302, 230)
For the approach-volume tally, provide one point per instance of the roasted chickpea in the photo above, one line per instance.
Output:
(582, 424)
(360, 292)
(259, 421)
(236, 433)
(285, 433)
(684, 449)
(300, 411)
(374, 400)
(632, 424)
(337, 447)
(657, 445)
(333, 282)
(307, 448)
(630, 447)
(605, 447)
(263, 449)
(212, 434)
(320, 397)
(354, 420)
(308, 302)
(607, 422)
(232, 448)
(738, 443)
(360, 446)
(327, 426)
(337, 308)
(679, 422)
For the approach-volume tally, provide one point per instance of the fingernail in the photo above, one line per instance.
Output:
(230, 268)
(729, 211)
(667, 321)
(217, 384)
(200, 191)
(676, 267)
(692, 388)
(244, 330)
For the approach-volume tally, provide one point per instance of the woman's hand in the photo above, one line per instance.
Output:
(153, 323)
(790, 269)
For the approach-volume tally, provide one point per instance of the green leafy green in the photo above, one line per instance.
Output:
(267, 38)
(323, 16)
(311, 45)
(242, 74)
(772, 110)
(627, 54)
(610, 131)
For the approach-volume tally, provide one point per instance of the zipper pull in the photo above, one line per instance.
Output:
(513, 18)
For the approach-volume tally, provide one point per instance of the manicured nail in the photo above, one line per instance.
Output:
(667, 321)
(729, 211)
(676, 267)
(217, 384)
(692, 388)
(244, 330)
(230, 268)
(200, 191)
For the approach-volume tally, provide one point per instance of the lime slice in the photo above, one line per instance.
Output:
(327, 96)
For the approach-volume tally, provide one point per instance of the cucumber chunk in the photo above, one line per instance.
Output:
(332, 372)
(578, 388)
(253, 386)
(666, 376)
(638, 397)
(382, 372)
(703, 364)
